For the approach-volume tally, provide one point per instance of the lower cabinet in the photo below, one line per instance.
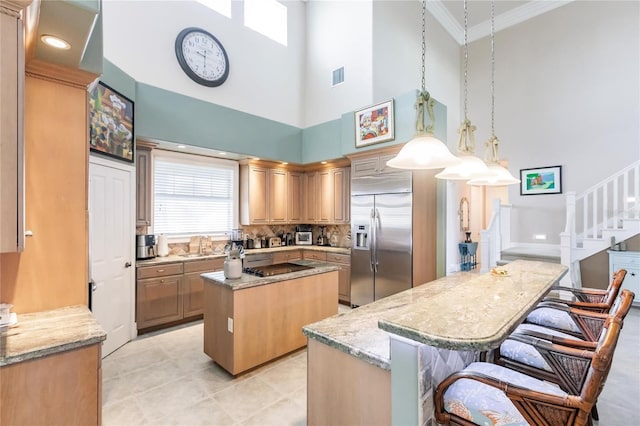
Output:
(344, 275)
(167, 293)
(158, 301)
(63, 388)
(629, 260)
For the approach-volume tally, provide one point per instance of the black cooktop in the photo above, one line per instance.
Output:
(279, 269)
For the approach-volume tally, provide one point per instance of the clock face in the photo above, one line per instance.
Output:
(202, 57)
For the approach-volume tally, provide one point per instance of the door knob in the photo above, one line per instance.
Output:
(127, 265)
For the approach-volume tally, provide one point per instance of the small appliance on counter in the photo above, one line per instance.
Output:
(323, 240)
(274, 242)
(145, 247)
(303, 235)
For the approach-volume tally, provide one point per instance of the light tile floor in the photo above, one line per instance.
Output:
(164, 378)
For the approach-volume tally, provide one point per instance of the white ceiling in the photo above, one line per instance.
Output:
(450, 14)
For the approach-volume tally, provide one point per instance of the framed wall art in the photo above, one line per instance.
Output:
(374, 124)
(111, 123)
(541, 180)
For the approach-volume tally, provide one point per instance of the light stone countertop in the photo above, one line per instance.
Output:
(189, 258)
(248, 280)
(49, 332)
(456, 312)
(477, 314)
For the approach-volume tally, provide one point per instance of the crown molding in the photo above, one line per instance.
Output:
(505, 20)
(446, 19)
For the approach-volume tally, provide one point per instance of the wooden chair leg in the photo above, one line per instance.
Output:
(594, 412)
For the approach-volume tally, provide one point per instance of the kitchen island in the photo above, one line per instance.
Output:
(253, 320)
(378, 364)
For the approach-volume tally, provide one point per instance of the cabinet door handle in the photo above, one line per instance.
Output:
(161, 281)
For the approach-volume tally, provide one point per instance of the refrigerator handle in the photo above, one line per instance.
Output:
(373, 238)
(376, 224)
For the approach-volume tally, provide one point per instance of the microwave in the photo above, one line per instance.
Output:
(304, 238)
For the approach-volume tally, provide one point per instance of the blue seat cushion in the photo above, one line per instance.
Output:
(549, 317)
(485, 405)
(527, 354)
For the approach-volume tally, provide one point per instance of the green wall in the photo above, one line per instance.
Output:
(168, 116)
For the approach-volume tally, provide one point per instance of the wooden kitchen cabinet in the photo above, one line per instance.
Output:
(325, 192)
(311, 198)
(286, 256)
(158, 294)
(341, 195)
(314, 255)
(193, 285)
(158, 301)
(63, 388)
(11, 130)
(278, 196)
(254, 195)
(295, 201)
(344, 275)
(143, 186)
(372, 165)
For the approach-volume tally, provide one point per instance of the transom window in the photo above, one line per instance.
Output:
(268, 17)
(194, 195)
(223, 7)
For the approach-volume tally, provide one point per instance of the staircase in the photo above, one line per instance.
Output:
(596, 219)
(600, 217)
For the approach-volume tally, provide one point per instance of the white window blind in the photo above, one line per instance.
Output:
(194, 195)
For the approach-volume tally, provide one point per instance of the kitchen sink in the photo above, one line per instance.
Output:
(191, 255)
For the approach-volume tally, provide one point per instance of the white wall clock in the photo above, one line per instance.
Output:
(202, 57)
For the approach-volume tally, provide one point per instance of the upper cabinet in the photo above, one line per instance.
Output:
(271, 194)
(143, 185)
(11, 129)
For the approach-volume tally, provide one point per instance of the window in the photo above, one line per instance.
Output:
(223, 7)
(268, 17)
(194, 195)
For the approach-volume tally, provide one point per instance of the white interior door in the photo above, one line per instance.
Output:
(111, 251)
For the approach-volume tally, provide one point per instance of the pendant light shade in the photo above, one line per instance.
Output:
(424, 151)
(470, 167)
(497, 176)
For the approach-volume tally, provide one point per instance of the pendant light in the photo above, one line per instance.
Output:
(424, 151)
(471, 167)
(498, 175)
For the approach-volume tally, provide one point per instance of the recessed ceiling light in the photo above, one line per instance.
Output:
(56, 42)
(222, 153)
(256, 158)
(284, 163)
(323, 162)
(181, 146)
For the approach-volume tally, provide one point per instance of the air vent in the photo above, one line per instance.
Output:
(338, 76)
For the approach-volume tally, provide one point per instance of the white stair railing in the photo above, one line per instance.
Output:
(491, 239)
(596, 213)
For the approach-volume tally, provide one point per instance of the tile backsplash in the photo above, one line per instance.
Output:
(341, 237)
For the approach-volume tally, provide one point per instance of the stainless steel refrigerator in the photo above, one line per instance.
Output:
(381, 224)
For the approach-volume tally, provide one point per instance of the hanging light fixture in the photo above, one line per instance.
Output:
(470, 167)
(498, 175)
(424, 151)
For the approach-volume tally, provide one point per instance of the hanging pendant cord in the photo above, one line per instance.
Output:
(424, 43)
(492, 143)
(466, 58)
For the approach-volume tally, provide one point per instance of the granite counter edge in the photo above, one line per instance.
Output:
(367, 357)
(52, 350)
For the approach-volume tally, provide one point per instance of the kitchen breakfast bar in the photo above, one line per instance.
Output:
(380, 363)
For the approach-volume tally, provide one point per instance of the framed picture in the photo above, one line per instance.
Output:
(542, 180)
(111, 123)
(374, 124)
